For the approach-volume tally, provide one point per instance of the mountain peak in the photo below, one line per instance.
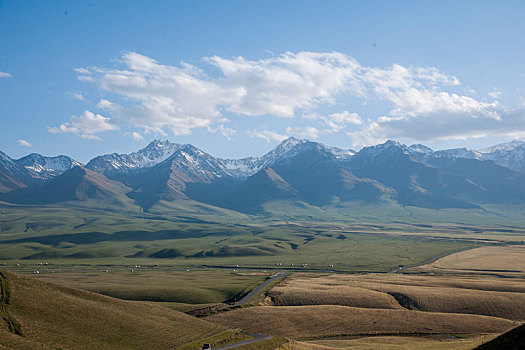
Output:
(503, 147)
(392, 143)
(42, 167)
(291, 142)
(419, 148)
(388, 146)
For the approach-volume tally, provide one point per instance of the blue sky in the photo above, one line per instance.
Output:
(235, 77)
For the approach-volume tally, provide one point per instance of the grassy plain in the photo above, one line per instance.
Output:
(192, 236)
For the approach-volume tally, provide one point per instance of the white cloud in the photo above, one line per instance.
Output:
(178, 98)
(24, 143)
(108, 105)
(443, 126)
(280, 85)
(226, 132)
(494, 93)
(90, 137)
(266, 135)
(338, 121)
(309, 132)
(183, 98)
(82, 71)
(76, 95)
(136, 136)
(85, 126)
(5, 75)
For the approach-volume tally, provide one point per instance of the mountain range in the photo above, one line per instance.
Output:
(299, 171)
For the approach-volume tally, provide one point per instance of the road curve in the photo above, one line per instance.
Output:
(257, 289)
(258, 338)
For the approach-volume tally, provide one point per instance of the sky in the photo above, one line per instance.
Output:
(235, 78)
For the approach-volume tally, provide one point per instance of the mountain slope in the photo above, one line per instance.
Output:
(52, 316)
(309, 173)
(12, 175)
(319, 177)
(416, 183)
(496, 183)
(264, 186)
(79, 185)
(169, 179)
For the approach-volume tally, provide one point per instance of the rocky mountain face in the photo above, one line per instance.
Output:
(296, 170)
(510, 155)
(153, 154)
(12, 175)
(45, 168)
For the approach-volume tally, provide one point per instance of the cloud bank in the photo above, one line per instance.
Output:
(422, 103)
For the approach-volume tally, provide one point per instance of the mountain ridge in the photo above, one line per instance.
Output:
(295, 170)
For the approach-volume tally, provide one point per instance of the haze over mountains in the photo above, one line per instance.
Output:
(299, 171)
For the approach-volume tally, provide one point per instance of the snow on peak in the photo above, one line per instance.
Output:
(419, 148)
(388, 146)
(43, 167)
(509, 146)
(154, 153)
(458, 153)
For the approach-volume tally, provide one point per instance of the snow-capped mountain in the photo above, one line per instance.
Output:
(424, 153)
(243, 168)
(192, 160)
(154, 153)
(511, 154)
(159, 151)
(295, 170)
(390, 148)
(44, 168)
(458, 153)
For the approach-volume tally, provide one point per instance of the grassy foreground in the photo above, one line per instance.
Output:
(53, 316)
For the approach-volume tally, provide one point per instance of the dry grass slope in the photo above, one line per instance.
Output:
(511, 340)
(499, 260)
(473, 295)
(53, 316)
(393, 343)
(328, 320)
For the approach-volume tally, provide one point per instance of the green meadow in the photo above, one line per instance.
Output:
(222, 248)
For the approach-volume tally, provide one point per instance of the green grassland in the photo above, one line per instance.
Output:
(79, 243)
(162, 285)
(189, 234)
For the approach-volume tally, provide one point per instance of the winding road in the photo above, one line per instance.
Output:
(258, 338)
(257, 289)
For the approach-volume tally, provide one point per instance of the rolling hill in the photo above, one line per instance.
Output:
(46, 315)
